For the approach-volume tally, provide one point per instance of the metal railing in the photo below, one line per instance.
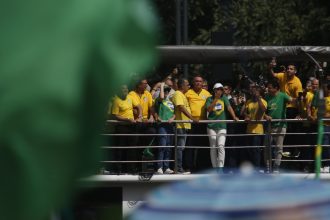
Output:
(267, 146)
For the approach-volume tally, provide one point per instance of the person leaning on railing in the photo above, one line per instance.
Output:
(276, 109)
(196, 96)
(182, 112)
(307, 153)
(215, 107)
(144, 98)
(122, 110)
(291, 85)
(326, 136)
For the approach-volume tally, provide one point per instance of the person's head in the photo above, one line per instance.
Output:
(175, 83)
(169, 82)
(227, 90)
(291, 70)
(308, 86)
(218, 89)
(252, 87)
(205, 85)
(273, 87)
(183, 85)
(124, 90)
(315, 85)
(142, 85)
(197, 83)
(175, 71)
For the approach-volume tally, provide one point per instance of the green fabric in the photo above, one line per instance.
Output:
(315, 100)
(60, 60)
(276, 108)
(165, 109)
(218, 113)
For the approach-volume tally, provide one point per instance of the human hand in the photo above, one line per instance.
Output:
(195, 120)
(268, 118)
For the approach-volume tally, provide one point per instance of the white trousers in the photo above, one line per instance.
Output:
(217, 139)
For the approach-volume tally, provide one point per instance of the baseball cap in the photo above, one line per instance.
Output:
(217, 85)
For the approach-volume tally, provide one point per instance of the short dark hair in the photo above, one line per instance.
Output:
(181, 82)
(274, 83)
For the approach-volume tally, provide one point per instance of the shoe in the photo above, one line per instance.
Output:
(307, 169)
(182, 171)
(325, 169)
(160, 171)
(276, 169)
(286, 154)
(168, 171)
(104, 171)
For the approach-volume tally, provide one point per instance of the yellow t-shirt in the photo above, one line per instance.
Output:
(179, 98)
(303, 104)
(197, 103)
(145, 100)
(327, 109)
(123, 108)
(252, 110)
(291, 87)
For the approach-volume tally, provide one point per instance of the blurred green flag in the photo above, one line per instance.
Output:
(59, 61)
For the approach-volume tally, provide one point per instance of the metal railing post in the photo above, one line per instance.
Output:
(175, 148)
(268, 148)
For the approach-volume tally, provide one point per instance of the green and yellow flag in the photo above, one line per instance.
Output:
(59, 61)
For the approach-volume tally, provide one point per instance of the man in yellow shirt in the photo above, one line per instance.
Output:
(182, 112)
(143, 97)
(307, 153)
(254, 109)
(291, 85)
(196, 97)
(122, 110)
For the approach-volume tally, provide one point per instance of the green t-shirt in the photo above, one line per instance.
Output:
(165, 109)
(218, 112)
(276, 107)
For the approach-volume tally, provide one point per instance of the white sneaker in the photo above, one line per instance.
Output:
(160, 171)
(168, 171)
(325, 169)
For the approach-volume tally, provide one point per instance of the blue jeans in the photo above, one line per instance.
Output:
(253, 155)
(326, 150)
(181, 141)
(164, 153)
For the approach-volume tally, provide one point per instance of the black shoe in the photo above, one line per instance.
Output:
(182, 171)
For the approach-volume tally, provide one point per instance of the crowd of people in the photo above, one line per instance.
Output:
(148, 111)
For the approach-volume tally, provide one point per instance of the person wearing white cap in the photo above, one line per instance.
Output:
(215, 106)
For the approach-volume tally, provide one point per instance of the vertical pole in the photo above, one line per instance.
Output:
(175, 148)
(185, 33)
(268, 148)
(178, 22)
(320, 130)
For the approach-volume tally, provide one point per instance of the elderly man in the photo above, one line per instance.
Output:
(182, 112)
(144, 99)
(196, 97)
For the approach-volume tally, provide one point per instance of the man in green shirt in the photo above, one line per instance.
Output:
(276, 109)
